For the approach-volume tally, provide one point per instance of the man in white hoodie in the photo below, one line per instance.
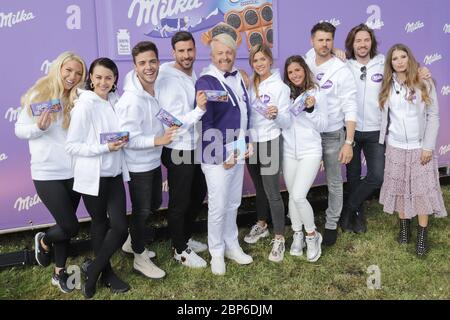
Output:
(175, 91)
(137, 109)
(338, 84)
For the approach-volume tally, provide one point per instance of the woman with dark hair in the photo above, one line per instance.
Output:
(99, 170)
(410, 125)
(302, 153)
(51, 166)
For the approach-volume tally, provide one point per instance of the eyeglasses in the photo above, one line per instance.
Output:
(363, 73)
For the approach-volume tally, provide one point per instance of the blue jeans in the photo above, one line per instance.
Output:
(362, 188)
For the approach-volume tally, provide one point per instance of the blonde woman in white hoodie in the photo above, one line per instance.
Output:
(270, 103)
(98, 171)
(51, 166)
(302, 153)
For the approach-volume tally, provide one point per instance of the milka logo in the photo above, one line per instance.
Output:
(447, 28)
(3, 157)
(154, 11)
(445, 90)
(10, 19)
(320, 76)
(265, 98)
(12, 114)
(378, 77)
(432, 58)
(26, 203)
(375, 24)
(335, 22)
(45, 67)
(413, 26)
(327, 85)
(443, 150)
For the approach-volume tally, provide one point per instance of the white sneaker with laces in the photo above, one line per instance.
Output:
(278, 248)
(145, 266)
(314, 249)
(256, 232)
(239, 256)
(218, 266)
(197, 246)
(190, 259)
(127, 248)
(298, 244)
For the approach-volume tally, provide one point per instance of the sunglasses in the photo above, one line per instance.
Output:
(363, 73)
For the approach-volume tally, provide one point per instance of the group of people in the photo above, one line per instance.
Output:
(323, 109)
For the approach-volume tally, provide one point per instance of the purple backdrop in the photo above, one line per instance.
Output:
(33, 33)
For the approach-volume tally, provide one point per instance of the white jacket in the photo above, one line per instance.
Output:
(273, 92)
(137, 111)
(175, 92)
(303, 139)
(369, 112)
(92, 116)
(49, 160)
(338, 84)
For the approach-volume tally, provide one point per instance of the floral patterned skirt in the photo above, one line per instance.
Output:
(410, 187)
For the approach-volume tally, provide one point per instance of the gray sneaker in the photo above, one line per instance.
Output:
(277, 253)
(298, 244)
(314, 249)
(257, 232)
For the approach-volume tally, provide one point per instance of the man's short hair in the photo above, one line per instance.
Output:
(182, 36)
(144, 46)
(225, 39)
(325, 27)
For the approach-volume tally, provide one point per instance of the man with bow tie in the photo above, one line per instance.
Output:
(224, 124)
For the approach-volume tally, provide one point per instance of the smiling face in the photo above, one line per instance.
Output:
(222, 56)
(147, 68)
(184, 54)
(400, 61)
(362, 44)
(71, 74)
(103, 80)
(296, 74)
(262, 64)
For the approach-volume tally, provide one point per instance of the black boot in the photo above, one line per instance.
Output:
(422, 241)
(346, 220)
(405, 231)
(111, 280)
(88, 288)
(359, 224)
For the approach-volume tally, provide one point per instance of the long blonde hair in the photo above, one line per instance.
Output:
(413, 80)
(51, 87)
(265, 50)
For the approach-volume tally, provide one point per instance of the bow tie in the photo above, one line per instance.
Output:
(230, 74)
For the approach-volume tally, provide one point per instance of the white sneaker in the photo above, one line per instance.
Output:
(298, 244)
(239, 256)
(257, 232)
(197, 246)
(218, 266)
(277, 253)
(314, 249)
(190, 259)
(144, 265)
(127, 248)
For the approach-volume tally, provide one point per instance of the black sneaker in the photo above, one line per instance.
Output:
(42, 256)
(112, 281)
(88, 292)
(360, 224)
(329, 237)
(61, 281)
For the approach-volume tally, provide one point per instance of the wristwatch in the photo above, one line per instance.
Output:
(350, 142)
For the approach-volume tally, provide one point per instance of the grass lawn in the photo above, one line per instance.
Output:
(341, 272)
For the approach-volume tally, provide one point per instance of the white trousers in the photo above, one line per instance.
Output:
(299, 176)
(224, 199)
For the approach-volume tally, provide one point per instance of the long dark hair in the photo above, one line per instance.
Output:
(108, 64)
(350, 51)
(308, 83)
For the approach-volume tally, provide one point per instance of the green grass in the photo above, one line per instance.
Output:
(341, 272)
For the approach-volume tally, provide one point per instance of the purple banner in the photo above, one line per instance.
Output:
(33, 33)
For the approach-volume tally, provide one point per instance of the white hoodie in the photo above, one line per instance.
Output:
(137, 111)
(369, 112)
(303, 139)
(338, 84)
(273, 92)
(92, 116)
(175, 91)
(49, 160)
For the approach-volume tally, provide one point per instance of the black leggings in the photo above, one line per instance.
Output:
(107, 236)
(62, 202)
